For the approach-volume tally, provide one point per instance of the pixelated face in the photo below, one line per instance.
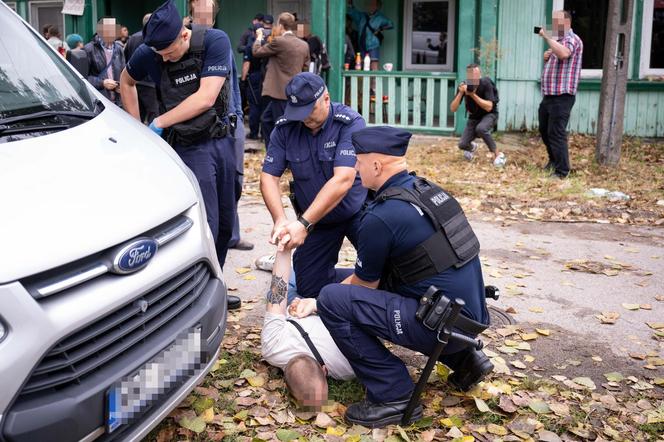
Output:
(108, 30)
(473, 76)
(203, 12)
(177, 49)
(314, 400)
(561, 24)
(319, 113)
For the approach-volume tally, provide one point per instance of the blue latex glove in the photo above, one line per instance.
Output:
(155, 129)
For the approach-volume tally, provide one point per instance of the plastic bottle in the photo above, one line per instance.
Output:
(367, 63)
(358, 62)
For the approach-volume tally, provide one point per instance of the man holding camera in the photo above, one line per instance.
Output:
(288, 56)
(481, 98)
(560, 79)
(412, 236)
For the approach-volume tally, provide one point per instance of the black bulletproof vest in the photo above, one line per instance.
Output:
(181, 79)
(453, 244)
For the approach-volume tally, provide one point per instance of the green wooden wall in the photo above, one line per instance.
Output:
(235, 16)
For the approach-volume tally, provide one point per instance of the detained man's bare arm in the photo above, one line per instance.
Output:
(277, 298)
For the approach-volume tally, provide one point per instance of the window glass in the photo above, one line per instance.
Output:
(657, 38)
(589, 23)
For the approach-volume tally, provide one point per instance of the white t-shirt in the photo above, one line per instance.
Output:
(281, 341)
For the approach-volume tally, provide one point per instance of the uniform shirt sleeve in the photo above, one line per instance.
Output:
(137, 65)
(218, 52)
(345, 153)
(275, 157)
(237, 99)
(373, 248)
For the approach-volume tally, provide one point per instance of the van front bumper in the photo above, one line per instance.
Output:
(78, 412)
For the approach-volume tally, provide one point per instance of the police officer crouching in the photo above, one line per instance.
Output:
(191, 70)
(412, 236)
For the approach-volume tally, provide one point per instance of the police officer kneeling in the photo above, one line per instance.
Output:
(192, 73)
(402, 252)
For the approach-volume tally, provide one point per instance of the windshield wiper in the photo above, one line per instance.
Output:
(6, 130)
(46, 114)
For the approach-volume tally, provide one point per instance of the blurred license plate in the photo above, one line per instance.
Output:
(131, 396)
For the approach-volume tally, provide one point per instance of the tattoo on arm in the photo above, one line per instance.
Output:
(278, 290)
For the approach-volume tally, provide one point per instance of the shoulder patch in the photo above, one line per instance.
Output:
(344, 118)
(281, 121)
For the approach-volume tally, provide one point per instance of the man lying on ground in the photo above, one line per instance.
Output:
(302, 348)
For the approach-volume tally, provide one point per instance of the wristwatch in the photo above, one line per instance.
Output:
(307, 225)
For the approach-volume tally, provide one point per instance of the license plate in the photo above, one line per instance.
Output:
(132, 395)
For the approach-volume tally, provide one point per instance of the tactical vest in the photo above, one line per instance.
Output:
(453, 244)
(181, 79)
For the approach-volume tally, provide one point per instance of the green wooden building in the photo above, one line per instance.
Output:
(432, 42)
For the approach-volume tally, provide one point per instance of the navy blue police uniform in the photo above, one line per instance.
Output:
(312, 158)
(205, 143)
(357, 316)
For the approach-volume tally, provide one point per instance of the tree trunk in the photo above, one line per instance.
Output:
(614, 82)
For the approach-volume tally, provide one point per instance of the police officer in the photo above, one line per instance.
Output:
(313, 140)
(190, 68)
(401, 252)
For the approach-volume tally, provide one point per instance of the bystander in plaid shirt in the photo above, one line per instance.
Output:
(562, 76)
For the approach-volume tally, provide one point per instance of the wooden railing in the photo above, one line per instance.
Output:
(416, 101)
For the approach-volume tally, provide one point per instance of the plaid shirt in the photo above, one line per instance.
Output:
(562, 76)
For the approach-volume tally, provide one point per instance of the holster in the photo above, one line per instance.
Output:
(293, 200)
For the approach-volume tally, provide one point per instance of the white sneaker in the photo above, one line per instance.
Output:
(265, 262)
(468, 155)
(474, 146)
(500, 160)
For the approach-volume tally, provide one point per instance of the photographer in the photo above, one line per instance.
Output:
(481, 98)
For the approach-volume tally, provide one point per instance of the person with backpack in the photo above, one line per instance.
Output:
(370, 26)
(481, 97)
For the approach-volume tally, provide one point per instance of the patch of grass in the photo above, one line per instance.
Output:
(654, 431)
(237, 362)
(345, 392)
(529, 384)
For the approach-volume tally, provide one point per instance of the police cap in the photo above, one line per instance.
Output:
(381, 139)
(302, 92)
(163, 27)
(268, 19)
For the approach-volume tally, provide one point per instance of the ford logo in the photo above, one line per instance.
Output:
(134, 256)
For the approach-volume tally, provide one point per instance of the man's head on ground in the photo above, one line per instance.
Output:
(203, 12)
(380, 154)
(562, 22)
(473, 75)
(306, 381)
(165, 34)
(108, 29)
(285, 22)
(308, 100)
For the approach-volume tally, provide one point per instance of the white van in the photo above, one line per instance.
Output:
(112, 303)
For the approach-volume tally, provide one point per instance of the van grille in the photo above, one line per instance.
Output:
(89, 349)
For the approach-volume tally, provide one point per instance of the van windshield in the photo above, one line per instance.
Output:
(33, 78)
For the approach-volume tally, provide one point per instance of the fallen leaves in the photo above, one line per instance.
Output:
(608, 317)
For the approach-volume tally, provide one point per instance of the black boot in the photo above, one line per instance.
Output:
(233, 302)
(470, 370)
(377, 415)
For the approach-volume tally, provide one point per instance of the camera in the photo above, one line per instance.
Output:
(537, 29)
(470, 87)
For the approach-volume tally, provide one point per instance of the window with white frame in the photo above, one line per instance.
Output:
(652, 38)
(589, 20)
(44, 13)
(12, 5)
(428, 35)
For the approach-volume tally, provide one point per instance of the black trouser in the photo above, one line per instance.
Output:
(256, 102)
(554, 111)
(479, 128)
(273, 110)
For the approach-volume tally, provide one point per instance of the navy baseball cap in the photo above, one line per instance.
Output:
(163, 27)
(381, 139)
(268, 19)
(302, 92)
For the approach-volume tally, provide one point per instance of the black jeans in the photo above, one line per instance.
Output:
(479, 128)
(554, 111)
(273, 110)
